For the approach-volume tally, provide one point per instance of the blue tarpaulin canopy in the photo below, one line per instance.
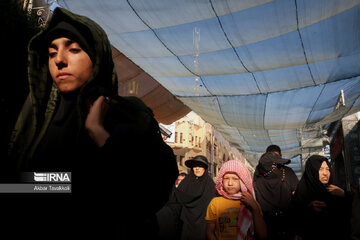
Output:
(261, 72)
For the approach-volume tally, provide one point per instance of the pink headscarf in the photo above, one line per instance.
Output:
(245, 219)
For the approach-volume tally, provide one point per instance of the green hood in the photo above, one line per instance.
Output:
(40, 105)
(103, 77)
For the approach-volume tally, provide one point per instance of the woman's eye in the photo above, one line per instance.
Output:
(75, 50)
(52, 54)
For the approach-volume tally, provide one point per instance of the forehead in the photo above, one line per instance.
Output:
(62, 40)
(324, 164)
(231, 174)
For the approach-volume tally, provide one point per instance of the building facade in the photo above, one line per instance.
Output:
(191, 136)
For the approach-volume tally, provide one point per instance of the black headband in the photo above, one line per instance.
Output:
(65, 29)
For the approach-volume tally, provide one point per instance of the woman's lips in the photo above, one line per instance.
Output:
(62, 76)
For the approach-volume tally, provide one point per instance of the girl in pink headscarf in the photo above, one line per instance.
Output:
(234, 214)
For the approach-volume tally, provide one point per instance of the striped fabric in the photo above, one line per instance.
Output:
(245, 218)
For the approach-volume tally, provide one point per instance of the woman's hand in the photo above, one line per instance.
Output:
(94, 121)
(317, 206)
(335, 190)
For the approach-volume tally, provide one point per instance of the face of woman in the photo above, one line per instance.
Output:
(199, 171)
(70, 66)
(324, 173)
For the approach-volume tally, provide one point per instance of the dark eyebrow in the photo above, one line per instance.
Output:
(53, 46)
(67, 43)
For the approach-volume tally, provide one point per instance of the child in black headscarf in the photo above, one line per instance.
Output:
(321, 209)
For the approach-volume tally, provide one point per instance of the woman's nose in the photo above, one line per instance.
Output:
(60, 59)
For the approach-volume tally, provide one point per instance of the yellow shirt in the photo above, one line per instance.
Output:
(224, 213)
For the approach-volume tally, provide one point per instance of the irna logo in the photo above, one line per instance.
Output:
(51, 177)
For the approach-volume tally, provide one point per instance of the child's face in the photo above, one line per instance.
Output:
(70, 66)
(231, 183)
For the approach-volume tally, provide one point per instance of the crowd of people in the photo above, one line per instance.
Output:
(272, 205)
(73, 120)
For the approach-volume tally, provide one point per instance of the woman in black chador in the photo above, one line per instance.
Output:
(321, 208)
(194, 195)
(185, 212)
(274, 184)
(74, 121)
